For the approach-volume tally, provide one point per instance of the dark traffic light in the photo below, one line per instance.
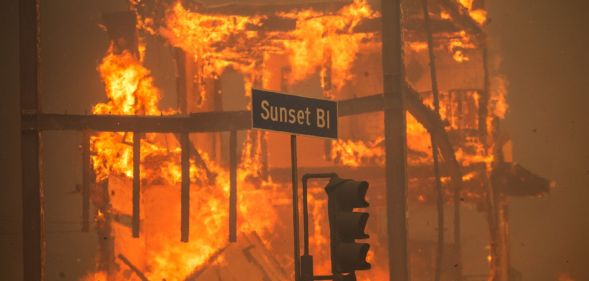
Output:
(347, 256)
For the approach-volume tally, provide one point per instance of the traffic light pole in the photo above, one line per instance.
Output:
(306, 178)
(306, 259)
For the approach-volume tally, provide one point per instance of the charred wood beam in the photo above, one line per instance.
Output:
(515, 180)
(234, 120)
(233, 186)
(438, 183)
(183, 109)
(185, 189)
(462, 18)
(106, 247)
(283, 175)
(360, 105)
(194, 123)
(435, 126)
(131, 266)
(122, 219)
(136, 182)
(181, 80)
(484, 100)
(86, 179)
(231, 120)
(198, 160)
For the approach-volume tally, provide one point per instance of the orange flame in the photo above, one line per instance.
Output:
(318, 40)
(479, 15)
(321, 39)
(356, 153)
(130, 90)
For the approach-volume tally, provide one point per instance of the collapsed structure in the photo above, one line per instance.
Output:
(182, 193)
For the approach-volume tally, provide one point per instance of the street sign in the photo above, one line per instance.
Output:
(293, 114)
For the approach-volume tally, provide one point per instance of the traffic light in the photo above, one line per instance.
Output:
(345, 225)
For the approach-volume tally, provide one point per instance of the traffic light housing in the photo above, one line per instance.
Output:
(345, 225)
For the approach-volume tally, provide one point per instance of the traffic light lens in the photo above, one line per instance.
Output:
(348, 194)
(352, 256)
(351, 225)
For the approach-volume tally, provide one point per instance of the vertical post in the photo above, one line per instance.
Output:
(136, 183)
(395, 139)
(503, 262)
(106, 245)
(457, 230)
(185, 189)
(86, 181)
(217, 100)
(295, 206)
(182, 99)
(264, 155)
(181, 80)
(233, 186)
(438, 183)
(32, 189)
(484, 100)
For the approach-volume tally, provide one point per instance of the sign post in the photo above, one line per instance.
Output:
(298, 116)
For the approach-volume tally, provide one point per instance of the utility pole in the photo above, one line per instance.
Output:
(32, 189)
(395, 139)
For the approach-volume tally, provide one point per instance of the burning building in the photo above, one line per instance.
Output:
(190, 192)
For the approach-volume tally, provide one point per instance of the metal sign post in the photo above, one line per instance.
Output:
(295, 206)
(296, 115)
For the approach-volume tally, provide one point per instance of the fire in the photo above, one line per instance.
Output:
(321, 40)
(359, 152)
(356, 153)
(479, 15)
(97, 276)
(130, 91)
(215, 40)
(499, 104)
(458, 43)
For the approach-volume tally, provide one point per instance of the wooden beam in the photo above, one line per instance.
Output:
(238, 120)
(86, 179)
(133, 268)
(361, 105)
(136, 182)
(233, 186)
(185, 189)
(198, 122)
(462, 19)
